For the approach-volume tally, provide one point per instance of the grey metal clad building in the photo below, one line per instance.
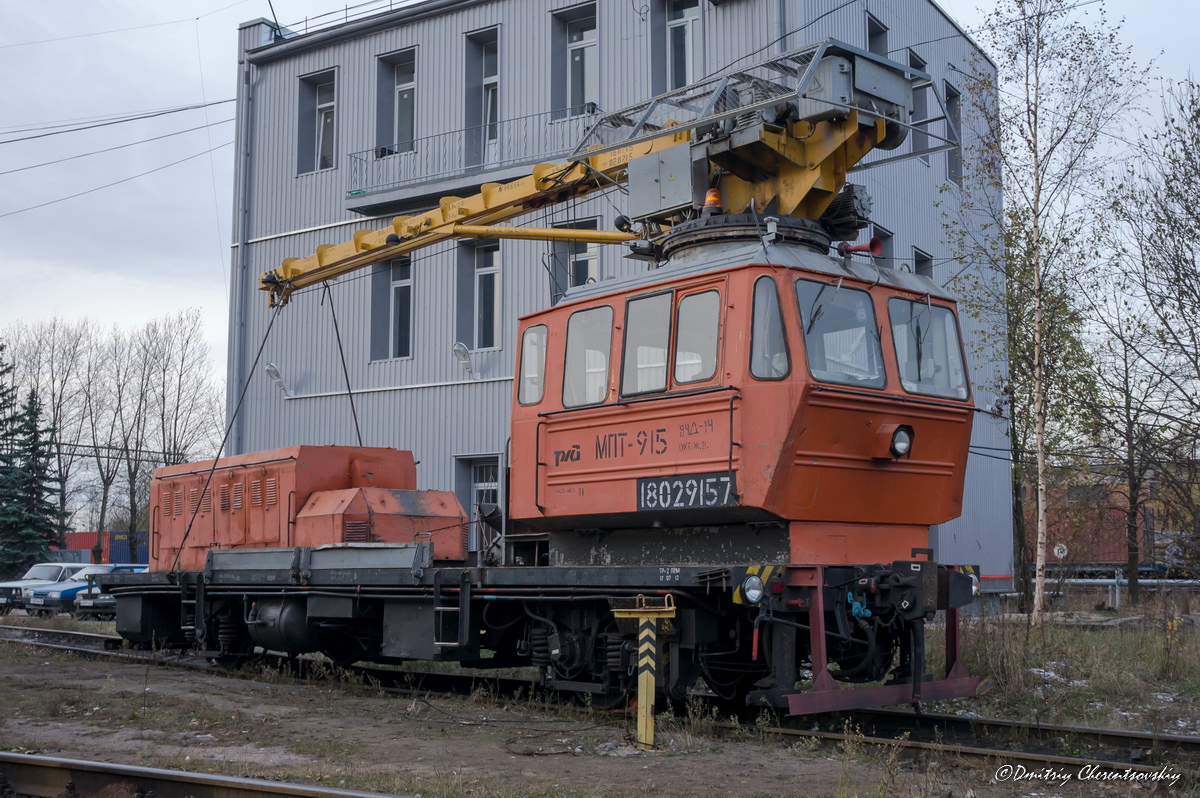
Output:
(344, 125)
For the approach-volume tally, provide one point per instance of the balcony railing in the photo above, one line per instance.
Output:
(474, 150)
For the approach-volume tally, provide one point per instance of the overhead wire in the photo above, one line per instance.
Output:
(113, 149)
(114, 183)
(120, 30)
(212, 171)
(114, 121)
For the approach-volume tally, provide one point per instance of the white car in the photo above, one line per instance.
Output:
(43, 573)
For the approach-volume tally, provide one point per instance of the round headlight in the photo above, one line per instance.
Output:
(902, 440)
(55, 594)
(752, 589)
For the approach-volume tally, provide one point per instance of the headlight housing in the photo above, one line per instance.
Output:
(902, 440)
(753, 589)
(54, 594)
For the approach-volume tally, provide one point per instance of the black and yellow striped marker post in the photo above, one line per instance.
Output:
(647, 614)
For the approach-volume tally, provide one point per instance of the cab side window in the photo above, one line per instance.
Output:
(533, 365)
(696, 334)
(647, 333)
(589, 342)
(768, 344)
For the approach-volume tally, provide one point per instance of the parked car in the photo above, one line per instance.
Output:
(91, 604)
(11, 597)
(50, 599)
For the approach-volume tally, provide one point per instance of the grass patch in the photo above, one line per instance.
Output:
(1143, 674)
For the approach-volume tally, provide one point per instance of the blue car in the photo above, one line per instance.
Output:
(48, 600)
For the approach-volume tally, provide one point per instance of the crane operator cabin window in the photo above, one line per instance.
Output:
(927, 349)
(589, 341)
(840, 334)
(696, 333)
(647, 331)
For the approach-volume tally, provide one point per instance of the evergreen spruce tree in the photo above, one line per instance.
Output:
(11, 558)
(29, 517)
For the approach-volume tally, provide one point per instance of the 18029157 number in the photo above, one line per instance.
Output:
(686, 491)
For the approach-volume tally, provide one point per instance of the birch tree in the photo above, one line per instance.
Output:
(1063, 82)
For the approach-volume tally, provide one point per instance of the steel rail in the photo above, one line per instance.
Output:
(410, 681)
(49, 777)
(1044, 731)
(989, 754)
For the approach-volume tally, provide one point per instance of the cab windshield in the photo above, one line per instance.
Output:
(840, 334)
(927, 349)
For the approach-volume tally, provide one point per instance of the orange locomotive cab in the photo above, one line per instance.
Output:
(736, 394)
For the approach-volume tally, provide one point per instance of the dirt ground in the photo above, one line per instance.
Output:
(355, 738)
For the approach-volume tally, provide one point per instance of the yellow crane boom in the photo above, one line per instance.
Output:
(780, 135)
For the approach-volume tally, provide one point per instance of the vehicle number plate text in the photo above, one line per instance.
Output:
(686, 491)
(37, 601)
(86, 602)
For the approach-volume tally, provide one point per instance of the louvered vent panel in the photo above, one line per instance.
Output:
(193, 499)
(256, 493)
(356, 532)
(165, 501)
(223, 497)
(237, 495)
(178, 502)
(206, 501)
(272, 490)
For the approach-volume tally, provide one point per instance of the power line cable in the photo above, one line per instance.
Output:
(212, 172)
(111, 149)
(118, 121)
(120, 30)
(114, 183)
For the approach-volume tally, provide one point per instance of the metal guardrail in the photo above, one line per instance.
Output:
(512, 142)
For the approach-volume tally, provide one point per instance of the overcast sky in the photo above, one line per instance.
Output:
(158, 243)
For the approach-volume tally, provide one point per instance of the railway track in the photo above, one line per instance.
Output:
(992, 739)
(51, 777)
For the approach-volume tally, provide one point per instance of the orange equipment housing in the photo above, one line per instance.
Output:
(736, 436)
(298, 496)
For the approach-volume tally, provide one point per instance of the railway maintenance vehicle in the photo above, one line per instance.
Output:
(723, 468)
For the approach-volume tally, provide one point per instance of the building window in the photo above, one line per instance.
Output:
(583, 85)
(406, 101)
(575, 262)
(491, 91)
(877, 36)
(317, 125)
(487, 297)
(922, 263)
(683, 16)
(401, 316)
(396, 128)
(477, 481)
(887, 258)
(954, 128)
(482, 94)
(920, 109)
